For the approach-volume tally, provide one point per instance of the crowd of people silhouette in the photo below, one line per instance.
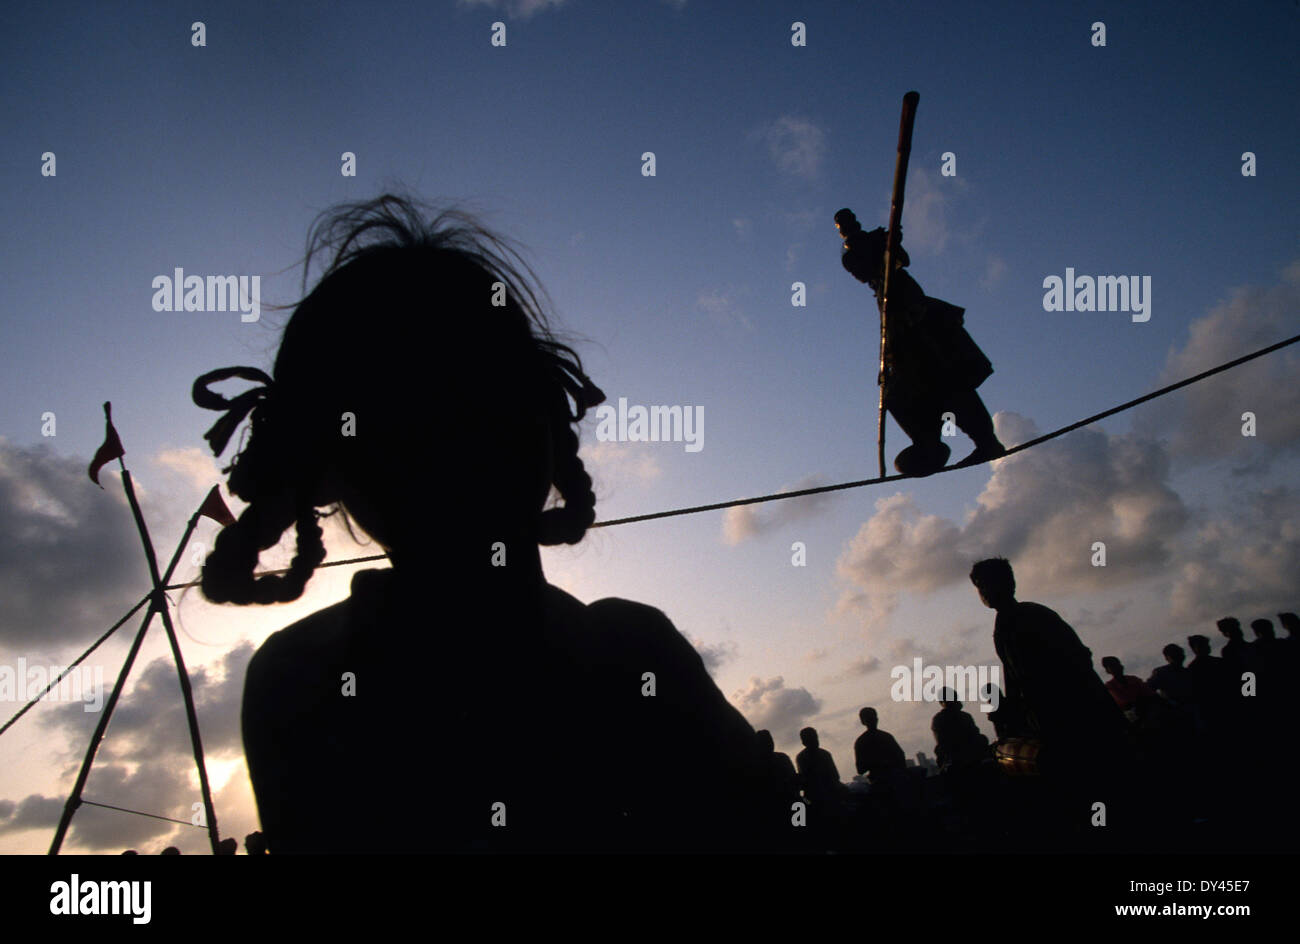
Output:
(491, 711)
(254, 844)
(1157, 754)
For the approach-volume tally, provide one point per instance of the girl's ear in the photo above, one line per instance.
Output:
(327, 490)
(366, 514)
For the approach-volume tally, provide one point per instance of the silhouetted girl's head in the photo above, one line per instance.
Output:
(418, 388)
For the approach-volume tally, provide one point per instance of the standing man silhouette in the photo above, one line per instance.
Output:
(1049, 671)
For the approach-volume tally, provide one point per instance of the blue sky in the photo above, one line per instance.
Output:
(1117, 160)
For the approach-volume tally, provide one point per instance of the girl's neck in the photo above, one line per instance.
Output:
(479, 562)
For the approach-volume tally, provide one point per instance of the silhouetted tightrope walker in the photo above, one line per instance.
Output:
(931, 366)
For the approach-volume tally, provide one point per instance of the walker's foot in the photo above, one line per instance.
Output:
(985, 453)
(921, 462)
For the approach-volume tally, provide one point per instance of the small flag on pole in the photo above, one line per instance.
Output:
(112, 448)
(214, 508)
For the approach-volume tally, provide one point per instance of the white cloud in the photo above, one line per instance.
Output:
(955, 648)
(925, 212)
(1103, 619)
(715, 655)
(1204, 421)
(71, 561)
(804, 221)
(147, 763)
(522, 9)
(858, 668)
(149, 723)
(613, 465)
(723, 306)
(165, 790)
(1042, 509)
(796, 145)
(1242, 561)
(195, 465)
(996, 269)
(33, 812)
(769, 704)
(71, 565)
(742, 522)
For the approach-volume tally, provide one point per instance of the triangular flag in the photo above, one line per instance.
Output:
(112, 448)
(214, 508)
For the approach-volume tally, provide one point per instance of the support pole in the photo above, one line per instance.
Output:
(160, 605)
(157, 604)
(74, 799)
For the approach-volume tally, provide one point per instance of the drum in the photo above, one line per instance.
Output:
(1019, 757)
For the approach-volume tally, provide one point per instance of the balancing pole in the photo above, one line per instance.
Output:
(910, 101)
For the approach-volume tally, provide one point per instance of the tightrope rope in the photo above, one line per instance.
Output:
(123, 809)
(81, 658)
(1014, 449)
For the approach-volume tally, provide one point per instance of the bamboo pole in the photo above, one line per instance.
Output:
(160, 605)
(910, 101)
(155, 598)
(157, 604)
